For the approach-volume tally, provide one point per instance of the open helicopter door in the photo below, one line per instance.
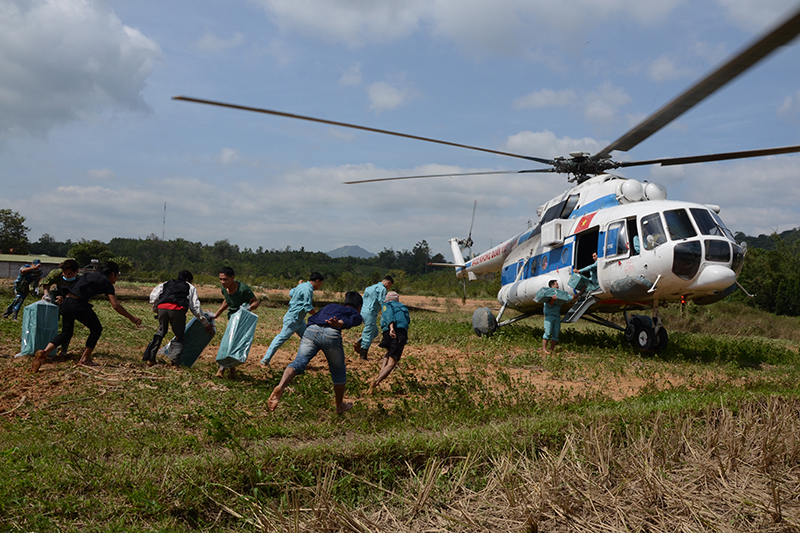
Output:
(586, 243)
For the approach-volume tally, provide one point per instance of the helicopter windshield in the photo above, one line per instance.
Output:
(679, 224)
(653, 231)
(706, 222)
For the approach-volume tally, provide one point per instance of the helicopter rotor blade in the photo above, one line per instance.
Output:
(357, 127)
(716, 79)
(669, 161)
(454, 175)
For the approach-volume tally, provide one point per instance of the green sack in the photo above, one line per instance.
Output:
(238, 338)
(195, 341)
(39, 326)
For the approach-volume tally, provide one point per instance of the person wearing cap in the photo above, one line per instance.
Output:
(301, 301)
(324, 332)
(76, 307)
(374, 296)
(170, 300)
(27, 281)
(394, 324)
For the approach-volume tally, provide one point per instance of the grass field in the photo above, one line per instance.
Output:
(468, 434)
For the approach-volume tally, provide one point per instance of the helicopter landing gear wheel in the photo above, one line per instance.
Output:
(645, 338)
(630, 331)
(661, 340)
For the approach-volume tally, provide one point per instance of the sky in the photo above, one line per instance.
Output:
(92, 145)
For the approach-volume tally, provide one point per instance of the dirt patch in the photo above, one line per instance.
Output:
(61, 378)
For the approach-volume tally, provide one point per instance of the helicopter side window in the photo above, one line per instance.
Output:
(616, 239)
(652, 231)
(634, 236)
(679, 224)
(706, 222)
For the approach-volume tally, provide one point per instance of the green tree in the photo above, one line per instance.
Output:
(13, 233)
(85, 251)
(48, 245)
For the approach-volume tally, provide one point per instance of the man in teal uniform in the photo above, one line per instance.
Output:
(236, 294)
(552, 320)
(374, 295)
(394, 323)
(301, 302)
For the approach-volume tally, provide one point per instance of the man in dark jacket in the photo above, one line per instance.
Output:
(76, 306)
(170, 300)
(324, 332)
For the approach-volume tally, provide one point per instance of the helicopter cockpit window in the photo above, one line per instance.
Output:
(616, 239)
(569, 206)
(679, 224)
(552, 213)
(652, 231)
(722, 225)
(719, 251)
(706, 222)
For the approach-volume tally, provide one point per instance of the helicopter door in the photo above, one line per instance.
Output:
(585, 245)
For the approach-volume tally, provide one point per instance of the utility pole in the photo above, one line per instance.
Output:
(164, 222)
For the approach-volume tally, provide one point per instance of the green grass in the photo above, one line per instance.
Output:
(135, 449)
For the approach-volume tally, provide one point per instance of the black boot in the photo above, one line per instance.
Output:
(363, 353)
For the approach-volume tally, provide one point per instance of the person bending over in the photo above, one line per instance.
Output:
(324, 332)
(76, 307)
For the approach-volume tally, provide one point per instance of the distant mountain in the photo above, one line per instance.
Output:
(351, 251)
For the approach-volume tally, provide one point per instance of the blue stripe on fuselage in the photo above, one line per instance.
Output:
(610, 200)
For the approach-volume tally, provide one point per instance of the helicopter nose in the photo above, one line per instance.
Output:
(714, 278)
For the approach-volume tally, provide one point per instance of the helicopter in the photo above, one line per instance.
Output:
(648, 251)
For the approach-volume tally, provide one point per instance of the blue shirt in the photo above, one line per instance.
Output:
(348, 315)
(394, 312)
(301, 302)
(552, 311)
(374, 295)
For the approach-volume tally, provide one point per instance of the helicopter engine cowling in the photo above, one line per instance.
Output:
(655, 191)
(630, 191)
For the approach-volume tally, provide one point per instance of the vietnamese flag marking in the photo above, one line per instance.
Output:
(584, 222)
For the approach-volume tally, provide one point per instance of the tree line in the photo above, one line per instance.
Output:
(771, 269)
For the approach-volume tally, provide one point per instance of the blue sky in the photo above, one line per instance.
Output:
(91, 144)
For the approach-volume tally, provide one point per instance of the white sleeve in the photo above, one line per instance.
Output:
(155, 294)
(194, 305)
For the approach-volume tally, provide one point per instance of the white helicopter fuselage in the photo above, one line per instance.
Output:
(649, 249)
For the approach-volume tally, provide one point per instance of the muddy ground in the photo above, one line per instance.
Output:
(23, 392)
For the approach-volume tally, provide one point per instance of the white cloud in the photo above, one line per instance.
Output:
(62, 59)
(546, 144)
(213, 44)
(666, 68)
(384, 96)
(545, 98)
(603, 104)
(228, 156)
(790, 109)
(753, 16)
(101, 174)
(351, 77)
(511, 27)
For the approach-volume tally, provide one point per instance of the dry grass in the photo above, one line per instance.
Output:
(722, 471)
